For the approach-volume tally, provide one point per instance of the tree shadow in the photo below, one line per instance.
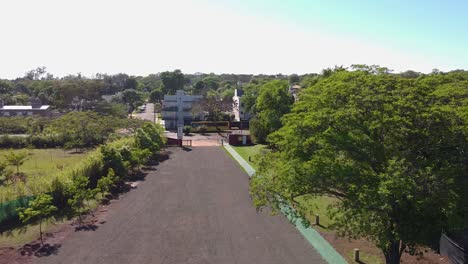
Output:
(149, 168)
(186, 149)
(137, 176)
(86, 227)
(38, 250)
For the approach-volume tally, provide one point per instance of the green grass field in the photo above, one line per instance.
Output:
(317, 206)
(252, 151)
(42, 166)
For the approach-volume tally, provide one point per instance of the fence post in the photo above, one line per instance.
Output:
(317, 220)
(356, 255)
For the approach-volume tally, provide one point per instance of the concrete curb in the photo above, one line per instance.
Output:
(328, 253)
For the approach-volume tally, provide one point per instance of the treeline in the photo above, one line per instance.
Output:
(266, 100)
(100, 176)
(391, 150)
(74, 130)
(66, 92)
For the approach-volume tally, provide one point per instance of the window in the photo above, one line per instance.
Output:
(30, 113)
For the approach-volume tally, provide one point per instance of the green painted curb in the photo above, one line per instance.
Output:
(328, 253)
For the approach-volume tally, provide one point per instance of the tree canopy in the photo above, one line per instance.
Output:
(272, 103)
(391, 150)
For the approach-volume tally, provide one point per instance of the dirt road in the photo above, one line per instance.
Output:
(194, 208)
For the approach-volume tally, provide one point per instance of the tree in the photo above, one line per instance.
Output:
(156, 96)
(38, 209)
(83, 129)
(5, 88)
(199, 87)
(132, 98)
(131, 83)
(107, 184)
(272, 103)
(150, 137)
(16, 159)
(213, 106)
(258, 130)
(294, 79)
(79, 193)
(3, 172)
(172, 81)
(391, 150)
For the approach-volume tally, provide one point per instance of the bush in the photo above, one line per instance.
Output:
(202, 129)
(258, 131)
(13, 142)
(187, 130)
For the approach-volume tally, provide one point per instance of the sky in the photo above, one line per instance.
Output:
(140, 37)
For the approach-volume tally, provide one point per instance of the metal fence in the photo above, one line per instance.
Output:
(8, 212)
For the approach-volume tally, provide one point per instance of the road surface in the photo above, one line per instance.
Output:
(194, 208)
(148, 114)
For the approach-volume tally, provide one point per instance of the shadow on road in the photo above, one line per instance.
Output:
(37, 250)
(86, 227)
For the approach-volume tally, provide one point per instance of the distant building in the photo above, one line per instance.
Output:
(294, 90)
(36, 108)
(238, 106)
(177, 109)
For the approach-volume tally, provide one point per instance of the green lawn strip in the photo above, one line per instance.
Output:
(252, 151)
(317, 205)
(229, 154)
(322, 246)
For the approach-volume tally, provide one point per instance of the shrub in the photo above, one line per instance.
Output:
(13, 142)
(202, 129)
(187, 130)
(258, 131)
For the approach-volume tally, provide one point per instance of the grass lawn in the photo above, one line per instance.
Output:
(317, 206)
(42, 166)
(252, 151)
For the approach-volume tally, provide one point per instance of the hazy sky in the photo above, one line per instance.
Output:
(230, 36)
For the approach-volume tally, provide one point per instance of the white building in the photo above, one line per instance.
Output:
(36, 108)
(177, 109)
(238, 105)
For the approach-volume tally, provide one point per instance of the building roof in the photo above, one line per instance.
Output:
(23, 107)
(296, 86)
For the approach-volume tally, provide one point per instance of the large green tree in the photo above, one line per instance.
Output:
(391, 150)
(156, 96)
(132, 98)
(172, 81)
(272, 103)
(214, 107)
